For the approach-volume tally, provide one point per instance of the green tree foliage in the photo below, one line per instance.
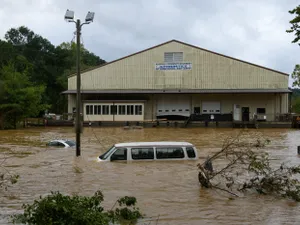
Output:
(295, 24)
(18, 97)
(295, 28)
(72, 210)
(296, 101)
(44, 66)
(296, 76)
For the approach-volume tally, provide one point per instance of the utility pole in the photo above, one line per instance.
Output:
(69, 16)
(78, 100)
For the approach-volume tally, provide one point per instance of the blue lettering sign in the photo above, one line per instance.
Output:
(173, 66)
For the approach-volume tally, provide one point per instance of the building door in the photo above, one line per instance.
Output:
(197, 110)
(211, 107)
(173, 105)
(236, 112)
(245, 113)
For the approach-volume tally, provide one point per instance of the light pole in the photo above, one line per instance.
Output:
(69, 16)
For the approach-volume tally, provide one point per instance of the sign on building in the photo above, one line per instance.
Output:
(173, 66)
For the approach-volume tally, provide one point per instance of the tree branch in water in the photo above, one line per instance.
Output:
(246, 168)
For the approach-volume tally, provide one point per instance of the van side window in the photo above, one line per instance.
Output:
(119, 154)
(142, 153)
(169, 153)
(190, 152)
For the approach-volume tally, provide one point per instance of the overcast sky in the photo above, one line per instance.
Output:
(251, 30)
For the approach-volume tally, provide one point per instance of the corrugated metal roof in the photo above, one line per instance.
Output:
(176, 91)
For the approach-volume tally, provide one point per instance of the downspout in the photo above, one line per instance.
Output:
(152, 107)
(290, 102)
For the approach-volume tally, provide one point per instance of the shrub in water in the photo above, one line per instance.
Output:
(72, 210)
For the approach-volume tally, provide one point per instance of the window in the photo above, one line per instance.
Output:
(138, 110)
(70, 143)
(56, 144)
(89, 109)
(97, 109)
(122, 110)
(105, 109)
(119, 154)
(53, 143)
(261, 110)
(130, 110)
(107, 153)
(167, 153)
(60, 144)
(190, 152)
(113, 109)
(172, 57)
(142, 153)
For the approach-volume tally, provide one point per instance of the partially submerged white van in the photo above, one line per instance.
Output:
(150, 151)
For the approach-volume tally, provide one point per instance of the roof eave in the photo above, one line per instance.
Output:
(179, 91)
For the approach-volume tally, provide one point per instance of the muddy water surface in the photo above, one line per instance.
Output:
(169, 190)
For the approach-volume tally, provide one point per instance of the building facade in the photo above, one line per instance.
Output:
(175, 80)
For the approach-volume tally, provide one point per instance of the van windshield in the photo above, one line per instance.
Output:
(107, 153)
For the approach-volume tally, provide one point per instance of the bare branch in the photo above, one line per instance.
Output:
(246, 168)
(225, 191)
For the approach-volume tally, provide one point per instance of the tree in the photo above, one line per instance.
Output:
(40, 53)
(295, 28)
(295, 24)
(296, 105)
(296, 76)
(18, 98)
(45, 65)
(63, 209)
(87, 59)
(246, 167)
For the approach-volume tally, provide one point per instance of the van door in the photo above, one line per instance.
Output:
(119, 154)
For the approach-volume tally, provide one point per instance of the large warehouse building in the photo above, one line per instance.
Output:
(174, 80)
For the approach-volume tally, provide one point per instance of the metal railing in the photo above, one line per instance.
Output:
(273, 117)
(251, 117)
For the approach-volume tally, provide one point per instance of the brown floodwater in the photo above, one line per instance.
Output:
(168, 190)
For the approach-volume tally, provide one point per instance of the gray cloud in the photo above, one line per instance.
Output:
(250, 30)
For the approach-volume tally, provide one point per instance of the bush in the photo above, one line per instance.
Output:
(73, 210)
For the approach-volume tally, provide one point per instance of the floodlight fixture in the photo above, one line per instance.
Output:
(69, 16)
(89, 17)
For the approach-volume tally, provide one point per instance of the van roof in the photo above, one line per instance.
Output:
(157, 143)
